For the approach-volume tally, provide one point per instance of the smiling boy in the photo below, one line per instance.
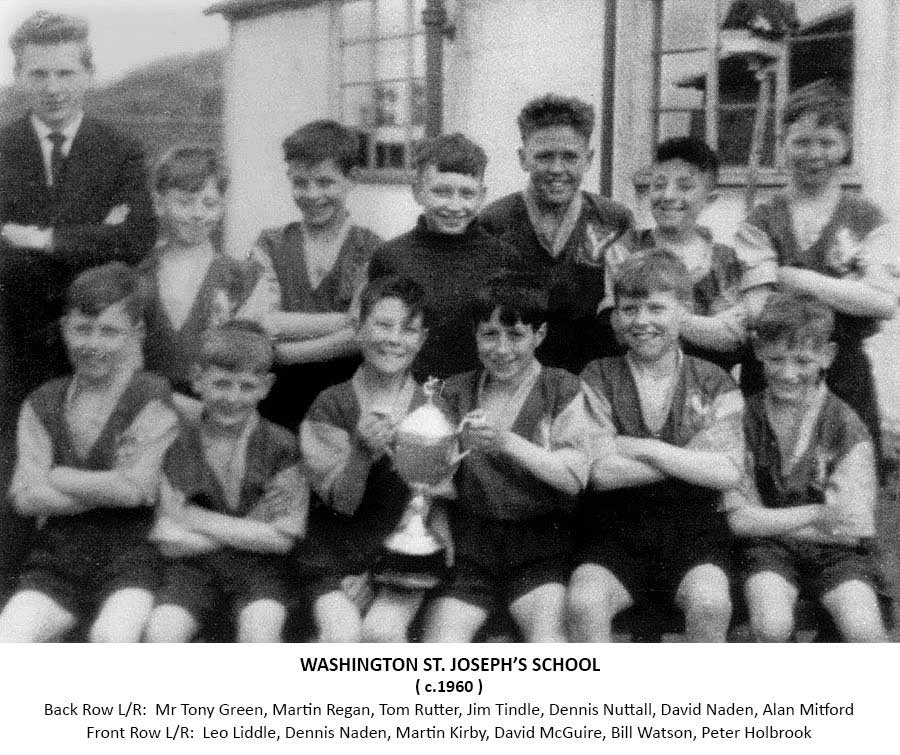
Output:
(654, 532)
(359, 499)
(90, 448)
(682, 184)
(562, 231)
(807, 514)
(447, 253)
(232, 500)
(315, 267)
(530, 443)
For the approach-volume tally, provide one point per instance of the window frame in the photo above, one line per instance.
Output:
(733, 176)
(414, 29)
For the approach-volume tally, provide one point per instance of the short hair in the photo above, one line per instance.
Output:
(654, 271)
(188, 167)
(797, 319)
(45, 28)
(99, 288)
(237, 346)
(693, 151)
(322, 140)
(450, 153)
(519, 297)
(556, 110)
(399, 287)
(823, 98)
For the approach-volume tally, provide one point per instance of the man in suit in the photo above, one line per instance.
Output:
(73, 194)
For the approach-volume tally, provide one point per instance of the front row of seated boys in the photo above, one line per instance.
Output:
(153, 522)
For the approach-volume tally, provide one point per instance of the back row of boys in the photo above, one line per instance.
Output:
(91, 445)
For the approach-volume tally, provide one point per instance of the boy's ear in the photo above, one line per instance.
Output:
(196, 377)
(269, 381)
(829, 350)
(417, 189)
(423, 338)
(521, 153)
(157, 203)
(540, 333)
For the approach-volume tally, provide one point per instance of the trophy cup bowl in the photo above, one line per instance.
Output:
(423, 456)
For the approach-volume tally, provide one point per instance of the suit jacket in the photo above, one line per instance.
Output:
(103, 169)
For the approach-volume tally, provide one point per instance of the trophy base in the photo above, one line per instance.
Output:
(410, 572)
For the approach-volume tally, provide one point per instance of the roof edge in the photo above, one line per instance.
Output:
(241, 9)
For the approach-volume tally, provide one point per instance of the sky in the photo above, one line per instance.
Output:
(124, 33)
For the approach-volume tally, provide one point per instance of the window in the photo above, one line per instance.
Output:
(698, 93)
(383, 80)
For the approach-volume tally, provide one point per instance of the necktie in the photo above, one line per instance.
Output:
(57, 159)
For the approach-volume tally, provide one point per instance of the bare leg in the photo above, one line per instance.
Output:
(171, 623)
(594, 597)
(704, 597)
(854, 607)
(32, 616)
(391, 614)
(540, 613)
(453, 620)
(261, 621)
(123, 616)
(771, 601)
(337, 618)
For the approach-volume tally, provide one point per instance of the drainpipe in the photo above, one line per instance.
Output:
(434, 19)
(607, 105)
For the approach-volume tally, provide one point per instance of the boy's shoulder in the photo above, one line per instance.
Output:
(363, 237)
(336, 405)
(498, 215)
(275, 236)
(608, 211)
(707, 375)
(599, 372)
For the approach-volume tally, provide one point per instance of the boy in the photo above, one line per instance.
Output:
(529, 445)
(815, 238)
(232, 500)
(674, 445)
(682, 183)
(315, 267)
(447, 253)
(808, 512)
(358, 497)
(562, 232)
(191, 285)
(89, 451)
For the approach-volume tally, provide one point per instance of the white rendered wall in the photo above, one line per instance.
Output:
(278, 76)
(506, 52)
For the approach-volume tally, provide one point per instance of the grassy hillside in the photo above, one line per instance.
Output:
(172, 100)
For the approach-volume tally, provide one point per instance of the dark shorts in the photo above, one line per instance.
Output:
(814, 568)
(507, 559)
(80, 576)
(203, 585)
(650, 544)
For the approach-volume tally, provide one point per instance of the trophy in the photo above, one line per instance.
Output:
(424, 455)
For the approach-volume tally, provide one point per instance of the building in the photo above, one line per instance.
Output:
(652, 69)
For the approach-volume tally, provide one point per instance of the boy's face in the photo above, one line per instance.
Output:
(54, 80)
(99, 345)
(556, 159)
(793, 371)
(813, 153)
(507, 351)
(319, 190)
(678, 193)
(650, 325)
(389, 338)
(230, 397)
(188, 217)
(450, 201)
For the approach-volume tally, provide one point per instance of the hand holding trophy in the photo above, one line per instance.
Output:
(424, 455)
